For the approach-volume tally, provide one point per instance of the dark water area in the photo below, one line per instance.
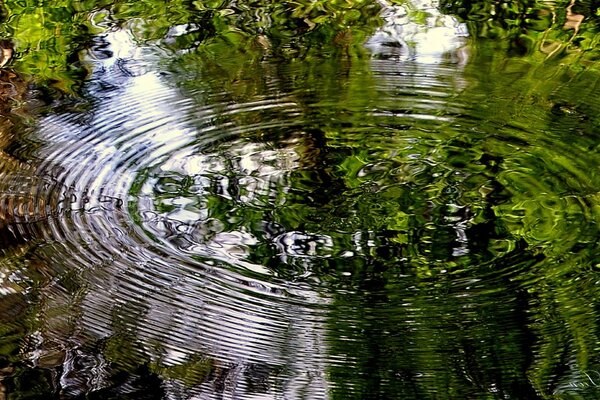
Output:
(255, 200)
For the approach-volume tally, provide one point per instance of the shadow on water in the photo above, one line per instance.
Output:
(215, 217)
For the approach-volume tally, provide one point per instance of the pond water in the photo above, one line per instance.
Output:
(254, 200)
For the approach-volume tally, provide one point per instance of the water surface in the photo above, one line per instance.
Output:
(199, 206)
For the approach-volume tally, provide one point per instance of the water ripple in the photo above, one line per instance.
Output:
(295, 233)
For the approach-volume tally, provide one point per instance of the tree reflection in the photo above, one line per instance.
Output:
(252, 206)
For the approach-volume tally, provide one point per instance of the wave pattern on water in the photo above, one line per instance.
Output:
(313, 239)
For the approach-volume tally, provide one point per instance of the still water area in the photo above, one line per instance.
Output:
(257, 200)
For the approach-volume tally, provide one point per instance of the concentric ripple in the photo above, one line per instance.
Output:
(384, 232)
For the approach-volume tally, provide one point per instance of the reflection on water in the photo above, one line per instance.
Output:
(408, 225)
(419, 32)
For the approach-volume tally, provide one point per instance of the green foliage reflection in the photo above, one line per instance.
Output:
(452, 212)
(51, 38)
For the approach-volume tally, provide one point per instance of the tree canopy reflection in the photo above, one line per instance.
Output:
(438, 213)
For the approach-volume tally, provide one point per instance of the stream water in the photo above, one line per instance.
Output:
(202, 219)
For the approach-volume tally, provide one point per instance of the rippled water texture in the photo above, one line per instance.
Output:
(421, 222)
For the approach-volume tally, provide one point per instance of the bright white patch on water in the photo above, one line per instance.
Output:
(417, 31)
(139, 121)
